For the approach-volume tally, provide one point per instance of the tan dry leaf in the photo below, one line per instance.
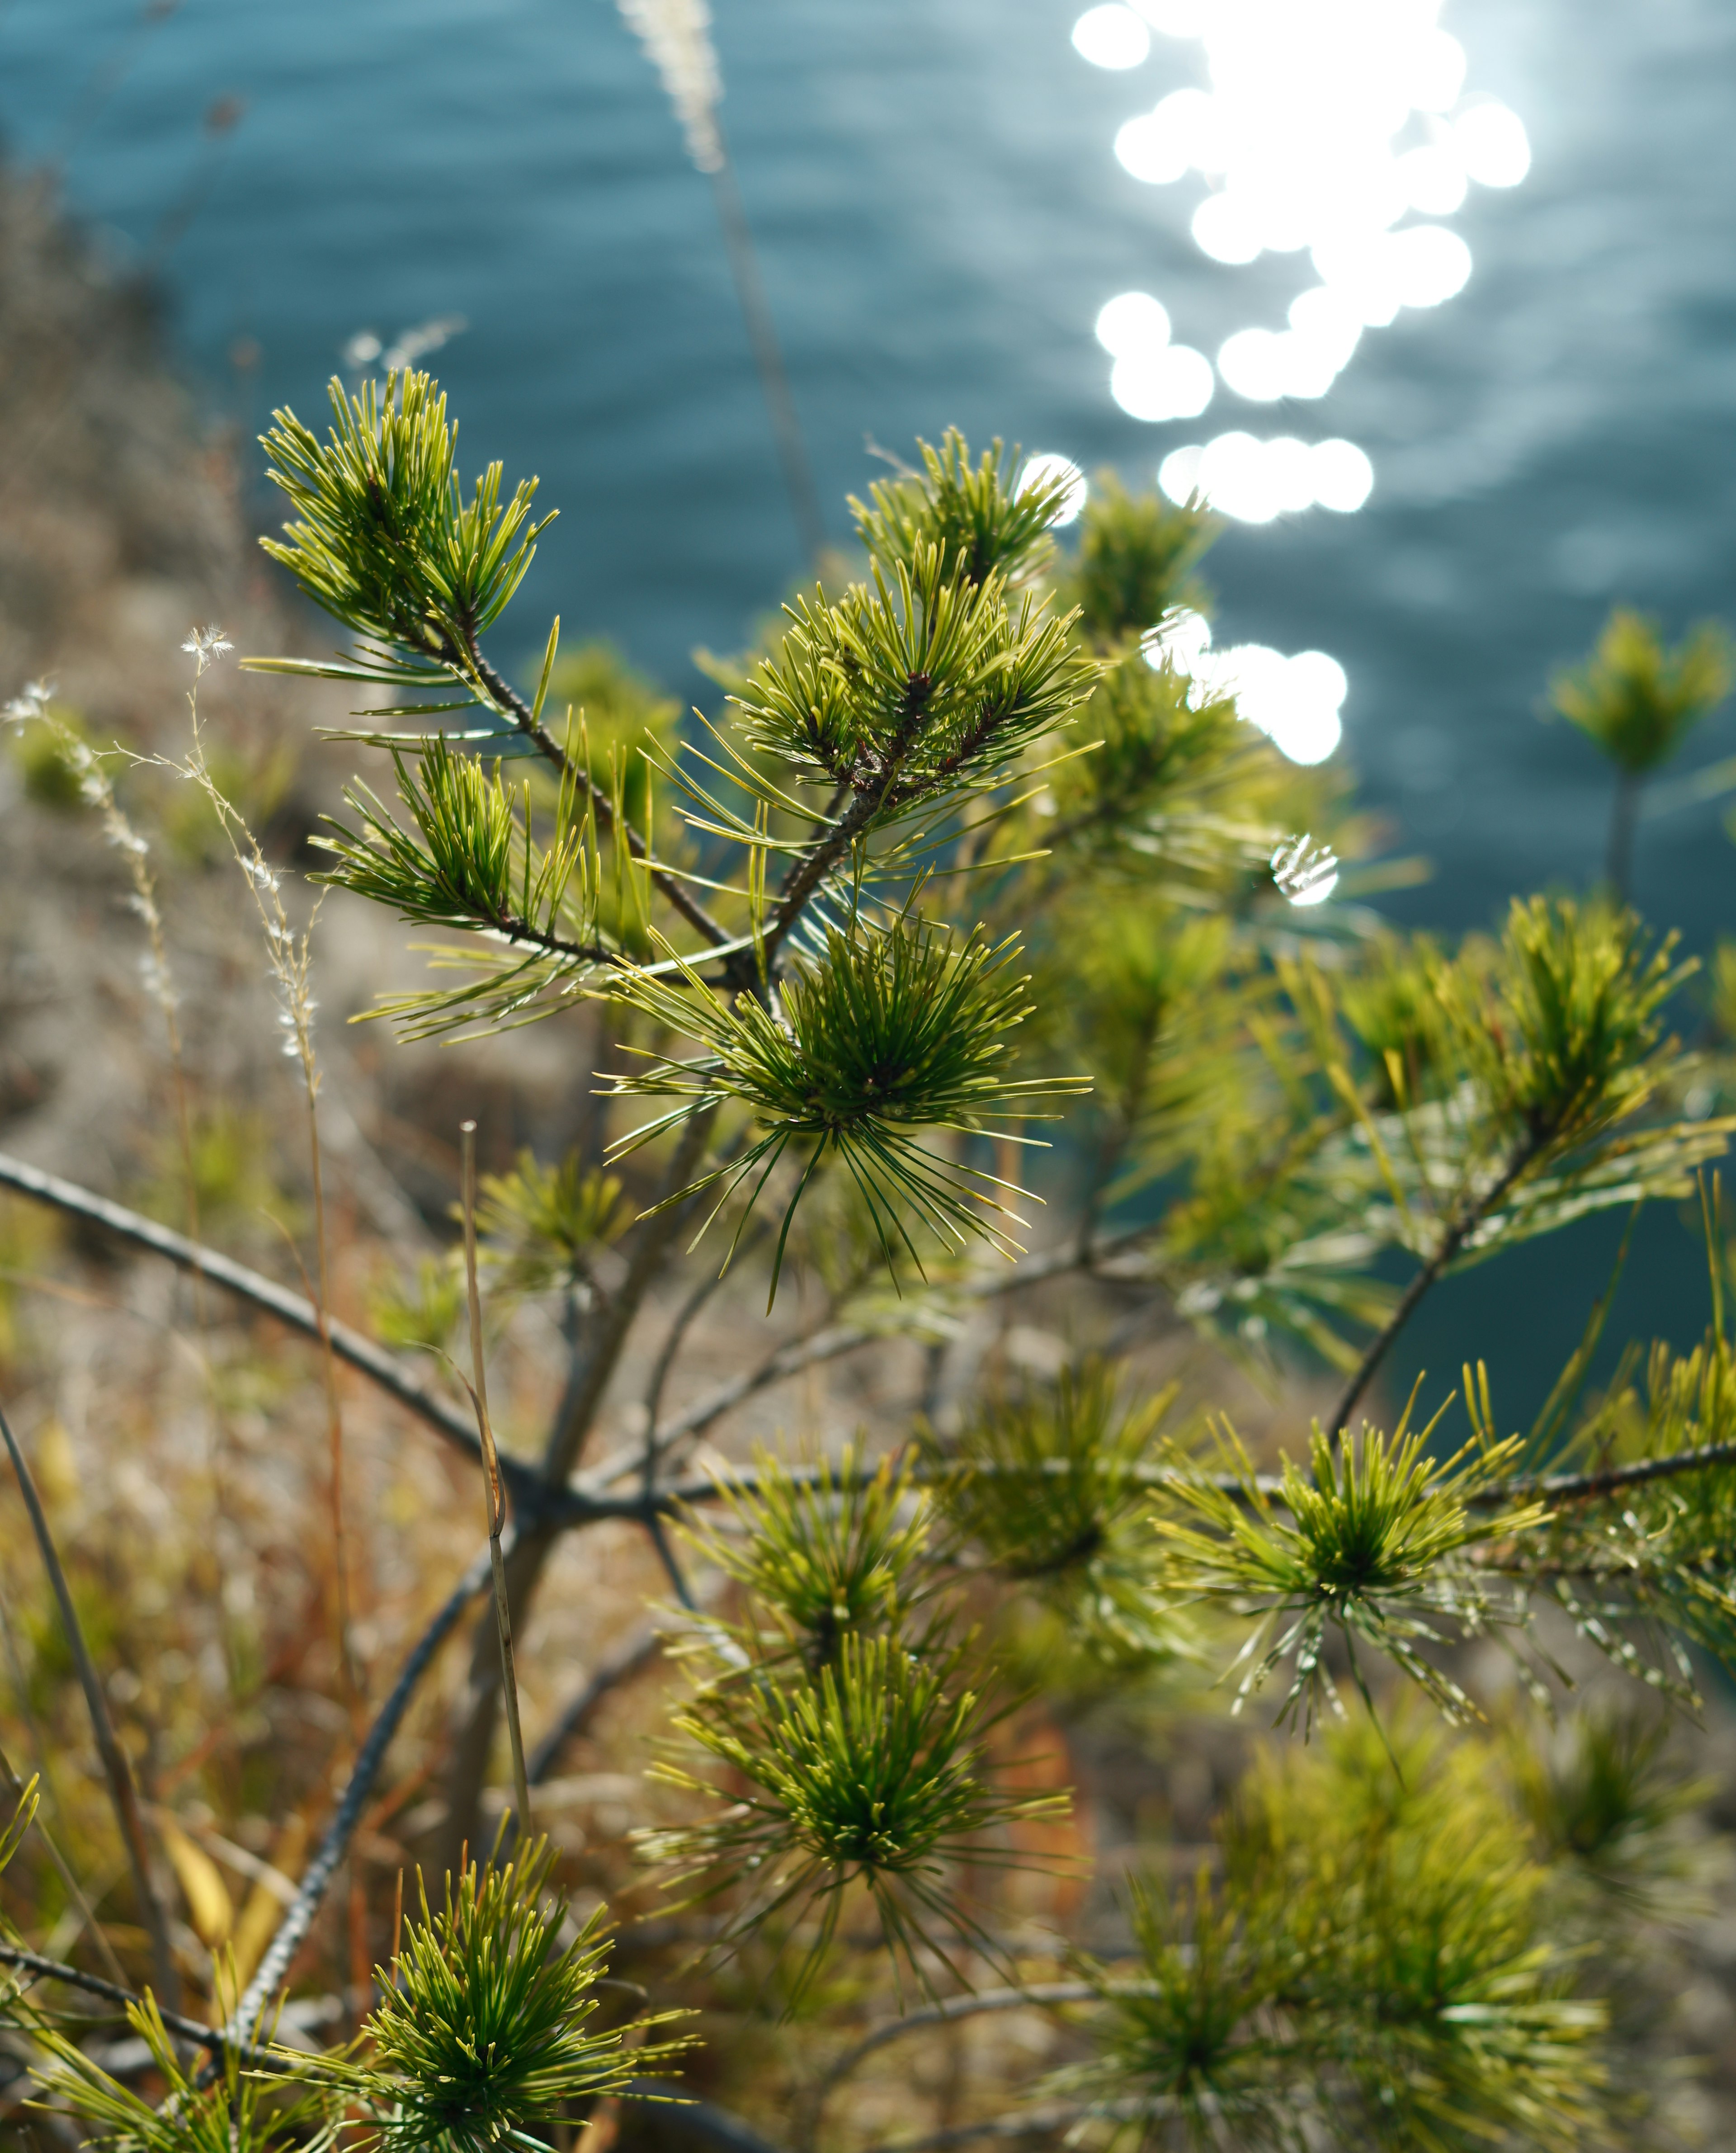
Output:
(209, 1908)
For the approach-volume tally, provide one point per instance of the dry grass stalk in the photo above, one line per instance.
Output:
(123, 1793)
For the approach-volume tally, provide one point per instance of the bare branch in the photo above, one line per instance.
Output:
(351, 1346)
(1038, 1995)
(298, 1920)
(186, 2029)
(1468, 1217)
(638, 1650)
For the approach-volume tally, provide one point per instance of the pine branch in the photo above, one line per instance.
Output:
(1465, 1223)
(189, 2030)
(1611, 1480)
(508, 698)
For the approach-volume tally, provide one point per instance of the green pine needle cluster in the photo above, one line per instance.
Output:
(543, 1225)
(875, 1774)
(483, 2036)
(978, 516)
(1637, 698)
(1053, 1486)
(824, 1553)
(884, 1035)
(381, 536)
(1372, 1969)
(1373, 1543)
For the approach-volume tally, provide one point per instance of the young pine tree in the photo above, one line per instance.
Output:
(969, 866)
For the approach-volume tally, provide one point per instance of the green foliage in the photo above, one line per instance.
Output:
(1374, 1543)
(981, 520)
(239, 2111)
(884, 1035)
(962, 756)
(1135, 560)
(421, 1309)
(1565, 1039)
(1374, 1969)
(1392, 1005)
(544, 1224)
(1639, 700)
(1602, 1800)
(875, 1772)
(50, 761)
(924, 680)
(1639, 1574)
(623, 716)
(470, 860)
(1166, 789)
(827, 1554)
(381, 536)
(483, 2031)
(1052, 1486)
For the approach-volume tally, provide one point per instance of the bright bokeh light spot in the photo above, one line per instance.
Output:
(1427, 264)
(1044, 470)
(1251, 362)
(1305, 872)
(1112, 36)
(1356, 269)
(1132, 322)
(1263, 364)
(1169, 382)
(1181, 640)
(1295, 701)
(1433, 179)
(1326, 327)
(1436, 72)
(1255, 480)
(1150, 150)
(1179, 473)
(1303, 128)
(1226, 227)
(1342, 474)
(1492, 142)
(1178, 18)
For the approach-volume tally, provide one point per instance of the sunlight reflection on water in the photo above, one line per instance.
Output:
(1325, 124)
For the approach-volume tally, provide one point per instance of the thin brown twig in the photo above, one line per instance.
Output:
(298, 1918)
(122, 1791)
(492, 1476)
(75, 1891)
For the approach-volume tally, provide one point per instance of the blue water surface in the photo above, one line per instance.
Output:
(939, 217)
